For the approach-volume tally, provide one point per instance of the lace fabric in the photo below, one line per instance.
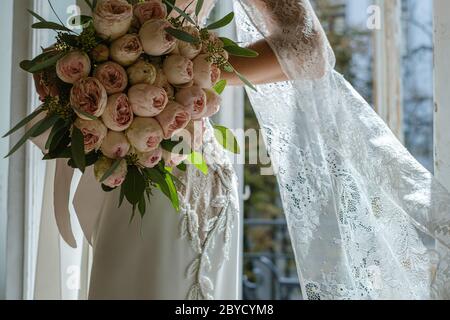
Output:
(363, 214)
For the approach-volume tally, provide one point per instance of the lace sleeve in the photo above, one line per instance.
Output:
(294, 32)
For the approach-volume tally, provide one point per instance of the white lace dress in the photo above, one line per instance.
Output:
(168, 255)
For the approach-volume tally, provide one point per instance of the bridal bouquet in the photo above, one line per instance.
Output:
(129, 94)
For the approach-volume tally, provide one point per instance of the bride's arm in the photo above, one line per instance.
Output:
(260, 70)
(293, 30)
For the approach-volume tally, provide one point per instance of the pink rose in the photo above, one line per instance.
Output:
(113, 77)
(73, 66)
(162, 82)
(88, 96)
(116, 178)
(213, 101)
(147, 100)
(118, 115)
(115, 145)
(150, 9)
(206, 74)
(154, 38)
(150, 159)
(178, 70)
(100, 53)
(172, 160)
(145, 134)
(112, 18)
(194, 99)
(175, 117)
(141, 72)
(188, 49)
(126, 50)
(94, 131)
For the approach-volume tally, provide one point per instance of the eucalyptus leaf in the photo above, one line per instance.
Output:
(90, 4)
(245, 80)
(84, 113)
(48, 122)
(170, 146)
(169, 4)
(111, 170)
(59, 126)
(60, 141)
(25, 137)
(173, 192)
(77, 147)
(228, 41)
(80, 21)
(182, 35)
(227, 139)
(50, 25)
(34, 14)
(22, 123)
(180, 12)
(241, 52)
(198, 7)
(46, 63)
(220, 86)
(182, 167)
(222, 22)
(197, 160)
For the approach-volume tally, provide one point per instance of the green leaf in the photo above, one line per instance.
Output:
(50, 25)
(220, 86)
(60, 141)
(78, 154)
(34, 14)
(142, 206)
(180, 12)
(91, 5)
(59, 126)
(182, 35)
(107, 189)
(182, 167)
(22, 123)
(198, 161)
(241, 52)
(163, 183)
(25, 137)
(199, 7)
(170, 4)
(84, 113)
(245, 81)
(46, 63)
(228, 42)
(173, 192)
(222, 22)
(111, 170)
(122, 196)
(48, 122)
(94, 4)
(63, 153)
(80, 20)
(228, 67)
(134, 185)
(170, 145)
(227, 139)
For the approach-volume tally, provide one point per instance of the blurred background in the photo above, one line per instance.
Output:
(391, 66)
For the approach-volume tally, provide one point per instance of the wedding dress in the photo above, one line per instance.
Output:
(366, 220)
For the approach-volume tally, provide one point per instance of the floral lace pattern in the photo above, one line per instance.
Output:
(208, 209)
(364, 216)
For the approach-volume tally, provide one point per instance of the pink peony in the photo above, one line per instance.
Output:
(118, 115)
(150, 159)
(154, 38)
(73, 66)
(188, 49)
(206, 74)
(194, 99)
(112, 18)
(213, 101)
(100, 53)
(145, 134)
(179, 70)
(147, 100)
(115, 145)
(175, 117)
(94, 131)
(113, 77)
(88, 96)
(116, 178)
(150, 9)
(141, 72)
(126, 50)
